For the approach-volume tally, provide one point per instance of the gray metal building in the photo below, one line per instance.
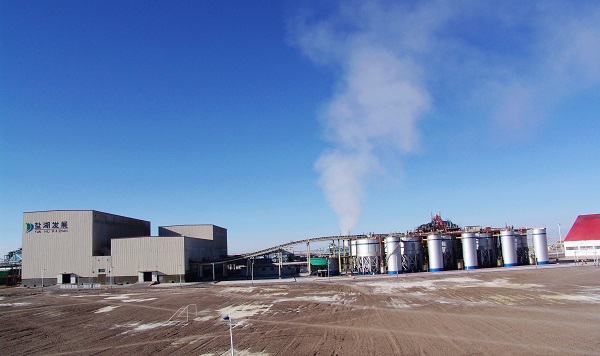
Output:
(87, 246)
(166, 258)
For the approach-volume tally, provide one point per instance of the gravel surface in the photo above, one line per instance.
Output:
(549, 310)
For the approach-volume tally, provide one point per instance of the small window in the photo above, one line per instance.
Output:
(101, 270)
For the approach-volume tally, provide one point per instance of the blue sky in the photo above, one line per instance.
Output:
(286, 120)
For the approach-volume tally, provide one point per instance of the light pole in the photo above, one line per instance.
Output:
(226, 317)
(252, 269)
(180, 276)
(43, 269)
(559, 234)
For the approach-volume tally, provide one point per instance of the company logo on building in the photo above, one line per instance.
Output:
(29, 227)
(47, 227)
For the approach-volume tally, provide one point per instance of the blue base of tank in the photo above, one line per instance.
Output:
(436, 269)
(510, 264)
(394, 272)
(542, 262)
(470, 267)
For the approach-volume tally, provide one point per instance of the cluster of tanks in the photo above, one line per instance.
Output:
(448, 250)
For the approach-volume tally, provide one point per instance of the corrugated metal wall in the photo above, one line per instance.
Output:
(84, 241)
(64, 241)
(211, 241)
(163, 254)
(201, 231)
(49, 251)
(109, 226)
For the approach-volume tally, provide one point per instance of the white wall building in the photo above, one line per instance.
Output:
(583, 240)
(166, 258)
(81, 246)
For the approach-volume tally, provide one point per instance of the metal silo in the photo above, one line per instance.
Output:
(509, 247)
(449, 251)
(522, 247)
(394, 260)
(540, 245)
(486, 249)
(367, 255)
(469, 245)
(412, 253)
(436, 258)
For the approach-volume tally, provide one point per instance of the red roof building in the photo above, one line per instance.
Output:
(583, 240)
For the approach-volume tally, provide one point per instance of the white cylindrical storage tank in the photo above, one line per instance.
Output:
(509, 248)
(367, 255)
(353, 248)
(469, 246)
(540, 245)
(392, 248)
(367, 248)
(434, 247)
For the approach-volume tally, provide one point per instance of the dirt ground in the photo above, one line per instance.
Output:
(523, 310)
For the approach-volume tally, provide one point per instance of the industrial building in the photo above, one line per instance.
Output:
(87, 246)
(439, 245)
(10, 268)
(583, 240)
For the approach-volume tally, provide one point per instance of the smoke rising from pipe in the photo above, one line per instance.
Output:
(510, 62)
(378, 101)
(377, 106)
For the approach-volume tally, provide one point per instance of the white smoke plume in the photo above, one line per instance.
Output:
(377, 106)
(509, 60)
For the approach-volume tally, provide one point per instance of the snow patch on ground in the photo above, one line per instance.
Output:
(136, 327)
(18, 304)
(120, 296)
(238, 352)
(244, 310)
(137, 300)
(238, 290)
(337, 298)
(505, 283)
(432, 285)
(82, 296)
(203, 318)
(401, 304)
(106, 309)
(575, 298)
(387, 287)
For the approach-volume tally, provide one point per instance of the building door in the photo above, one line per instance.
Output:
(102, 278)
(147, 276)
(66, 278)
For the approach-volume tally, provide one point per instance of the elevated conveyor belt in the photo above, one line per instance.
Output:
(283, 246)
